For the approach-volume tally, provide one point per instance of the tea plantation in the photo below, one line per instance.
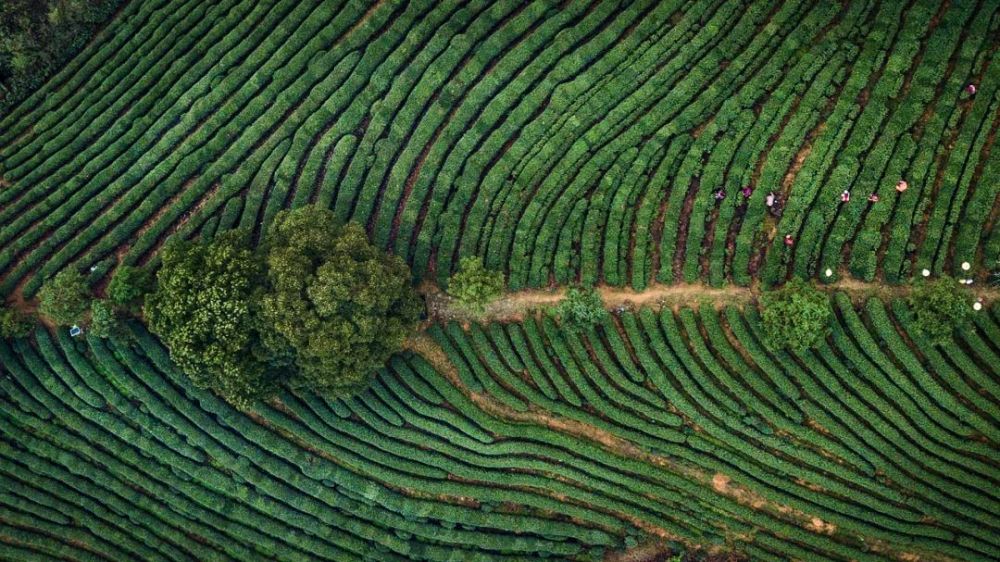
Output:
(715, 144)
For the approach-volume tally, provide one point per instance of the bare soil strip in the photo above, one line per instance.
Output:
(516, 305)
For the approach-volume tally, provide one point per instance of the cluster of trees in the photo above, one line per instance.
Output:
(315, 306)
(39, 36)
(13, 324)
(66, 300)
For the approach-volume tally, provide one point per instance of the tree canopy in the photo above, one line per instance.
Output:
(581, 309)
(38, 36)
(316, 306)
(475, 286)
(203, 309)
(939, 306)
(13, 324)
(339, 303)
(129, 285)
(64, 299)
(105, 321)
(796, 316)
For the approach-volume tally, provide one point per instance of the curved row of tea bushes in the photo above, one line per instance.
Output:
(582, 143)
(853, 434)
(530, 442)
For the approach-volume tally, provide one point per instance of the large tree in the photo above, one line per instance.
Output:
(338, 303)
(203, 309)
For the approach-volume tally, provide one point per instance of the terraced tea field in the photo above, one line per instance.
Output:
(583, 141)
(638, 145)
(514, 441)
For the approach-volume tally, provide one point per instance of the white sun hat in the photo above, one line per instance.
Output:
(966, 266)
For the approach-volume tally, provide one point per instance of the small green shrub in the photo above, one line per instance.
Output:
(581, 309)
(13, 324)
(939, 307)
(105, 321)
(64, 299)
(129, 285)
(796, 316)
(475, 286)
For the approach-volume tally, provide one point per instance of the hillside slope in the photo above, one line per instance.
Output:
(516, 442)
(575, 141)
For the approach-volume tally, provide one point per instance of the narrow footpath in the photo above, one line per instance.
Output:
(515, 305)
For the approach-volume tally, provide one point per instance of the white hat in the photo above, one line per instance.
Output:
(829, 272)
(926, 272)
(977, 306)
(966, 266)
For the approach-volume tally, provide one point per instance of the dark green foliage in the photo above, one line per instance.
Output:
(475, 286)
(939, 307)
(341, 305)
(318, 306)
(203, 310)
(796, 316)
(13, 324)
(129, 285)
(38, 36)
(105, 321)
(581, 309)
(64, 298)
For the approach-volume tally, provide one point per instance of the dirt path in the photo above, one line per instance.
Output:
(516, 305)
(27, 307)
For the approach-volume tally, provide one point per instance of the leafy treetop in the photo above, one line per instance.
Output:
(475, 286)
(338, 303)
(129, 285)
(104, 319)
(796, 316)
(939, 306)
(39, 36)
(64, 298)
(581, 309)
(203, 310)
(13, 324)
